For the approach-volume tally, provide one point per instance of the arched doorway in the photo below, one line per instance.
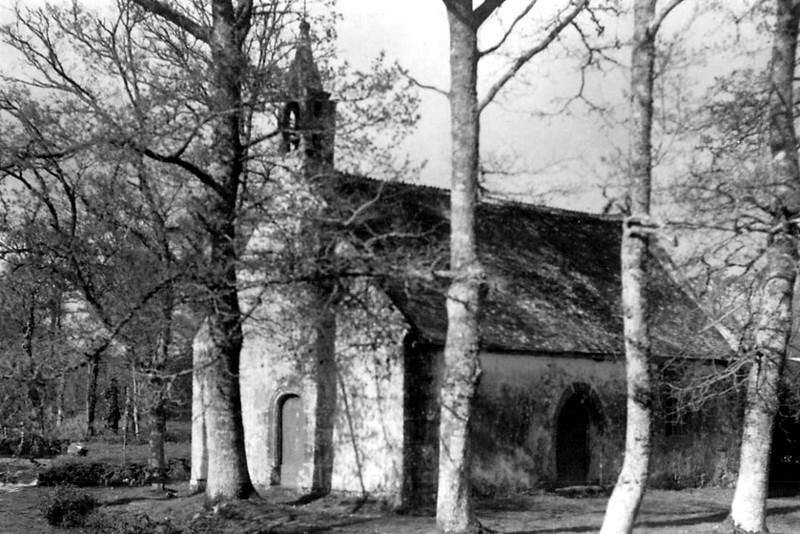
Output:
(784, 466)
(290, 444)
(578, 424)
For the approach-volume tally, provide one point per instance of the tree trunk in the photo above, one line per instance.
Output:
(748, 509)
(62, 390)
(135, 398)
(200, 363)
(228, 477)
(126, 416)
(623, 506)
(326, 380)
(454, 512)
(55, 329)
(158, 426)
(92, 371)
(158, 413)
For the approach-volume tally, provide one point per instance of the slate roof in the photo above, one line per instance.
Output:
(553, 278)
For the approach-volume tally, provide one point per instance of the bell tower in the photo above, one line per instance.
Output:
(308, 119)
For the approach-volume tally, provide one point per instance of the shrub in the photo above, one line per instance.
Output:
(129, 523)
(30, 445)
(178, 469)
(84, 474)
(81, 474)
(67, 507)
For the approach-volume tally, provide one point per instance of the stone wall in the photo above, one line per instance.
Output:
(278, 360)
(520, 399)
(516, 428)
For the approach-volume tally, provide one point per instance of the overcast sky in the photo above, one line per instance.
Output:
(564, 156)
(543, 153)
(559, 156)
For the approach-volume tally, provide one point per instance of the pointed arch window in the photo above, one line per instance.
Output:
(290, 127)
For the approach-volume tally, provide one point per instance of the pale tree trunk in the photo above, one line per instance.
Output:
(126, 415)
(748, 509)
(454, 512)
(157, 412)
(623, 506)
(200, 362)
(55, 330)
(135, 398)
(228, 476)
(462, 368)
(92, 371)
(62, 390)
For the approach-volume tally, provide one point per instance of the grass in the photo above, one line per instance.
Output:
(107, 447)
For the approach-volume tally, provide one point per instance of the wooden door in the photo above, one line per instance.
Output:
(572, 442)
(292, 441)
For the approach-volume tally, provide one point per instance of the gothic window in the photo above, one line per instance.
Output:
(290, 127)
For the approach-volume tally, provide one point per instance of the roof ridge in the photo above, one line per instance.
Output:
(493, 199)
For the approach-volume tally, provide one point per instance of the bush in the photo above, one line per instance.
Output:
(84, 474)
(67, 507)
(81, 474)
(31, 446)
(129, 523)
(178, 469)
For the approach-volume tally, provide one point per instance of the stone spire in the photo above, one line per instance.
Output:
(303, 76)
(309, 116)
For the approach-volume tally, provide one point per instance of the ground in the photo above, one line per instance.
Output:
(700, 511)
(675, 512)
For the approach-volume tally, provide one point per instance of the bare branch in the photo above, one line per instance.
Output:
(485, 10)
(168, 13)
(509, 31)
(656, 22)
(188, 166)
(421, 85)
(529, 54)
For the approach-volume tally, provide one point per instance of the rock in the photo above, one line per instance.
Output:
(77, 449)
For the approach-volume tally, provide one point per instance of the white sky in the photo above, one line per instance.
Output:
(560, 157)
(549, 152)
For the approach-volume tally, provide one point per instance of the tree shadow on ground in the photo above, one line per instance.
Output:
(302, 527)
(307, 498)
(782, 510)
(122, 501)
(716, 517)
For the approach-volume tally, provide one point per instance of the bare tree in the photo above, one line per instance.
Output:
(224, 33)
(748, 509)
(629, 489)
(454, 512)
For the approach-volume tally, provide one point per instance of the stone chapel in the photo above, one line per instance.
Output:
(340, 386)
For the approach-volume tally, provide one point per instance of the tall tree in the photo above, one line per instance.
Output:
(454, 504)
(133, 118)
(623, 505)
(454, 512)
(748, 509)
(225, 34)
